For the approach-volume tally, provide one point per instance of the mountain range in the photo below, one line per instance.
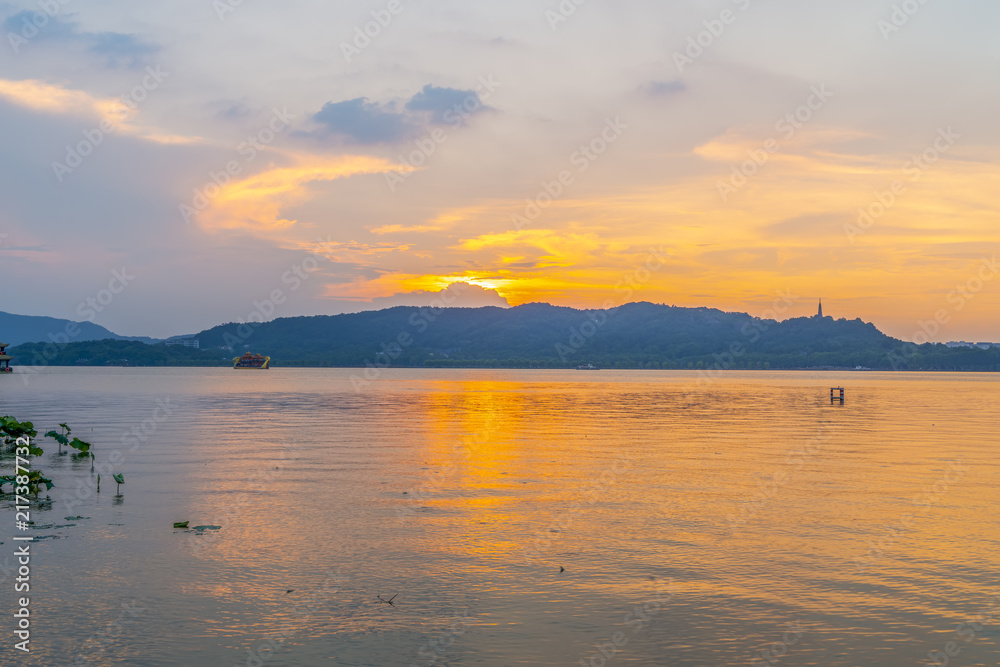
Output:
(18, 329)
(635, 335)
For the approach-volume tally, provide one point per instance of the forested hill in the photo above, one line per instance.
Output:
(638, 335)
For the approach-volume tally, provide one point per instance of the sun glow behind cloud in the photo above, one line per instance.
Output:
(788, 228)
(785, 230)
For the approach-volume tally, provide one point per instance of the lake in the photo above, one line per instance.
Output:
(512, 517)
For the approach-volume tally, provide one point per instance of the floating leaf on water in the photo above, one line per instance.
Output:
(58, 437)
(76, 518)
(79, 444)
(207, 528)
(181, 524)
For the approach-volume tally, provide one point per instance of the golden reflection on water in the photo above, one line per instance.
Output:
(869, 525)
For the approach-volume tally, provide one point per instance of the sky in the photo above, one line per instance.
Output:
(166, 167)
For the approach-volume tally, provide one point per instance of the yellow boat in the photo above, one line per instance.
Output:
(257, 361)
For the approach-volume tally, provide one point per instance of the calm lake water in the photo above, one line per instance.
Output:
(743, 521)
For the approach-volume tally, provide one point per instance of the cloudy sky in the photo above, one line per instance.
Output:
(200, 159)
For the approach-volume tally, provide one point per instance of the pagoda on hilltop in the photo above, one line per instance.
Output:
(819, 315)
(5, 359)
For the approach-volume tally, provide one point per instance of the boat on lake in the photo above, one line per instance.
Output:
(588, 367)
(248, 360)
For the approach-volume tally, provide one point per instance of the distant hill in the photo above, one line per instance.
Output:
(18, 329)
(110, 352)
(636, 335)
(632, 336)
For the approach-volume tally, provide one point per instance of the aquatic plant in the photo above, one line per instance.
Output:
(60, 437)
(11, 430)
(33, 482)
(63, 439)
(119, 480)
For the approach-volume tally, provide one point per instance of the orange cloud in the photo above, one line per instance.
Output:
(257, 202)
(47, 98)
(349, 252)
(41, 96)
(443, 222)
(553, 249)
